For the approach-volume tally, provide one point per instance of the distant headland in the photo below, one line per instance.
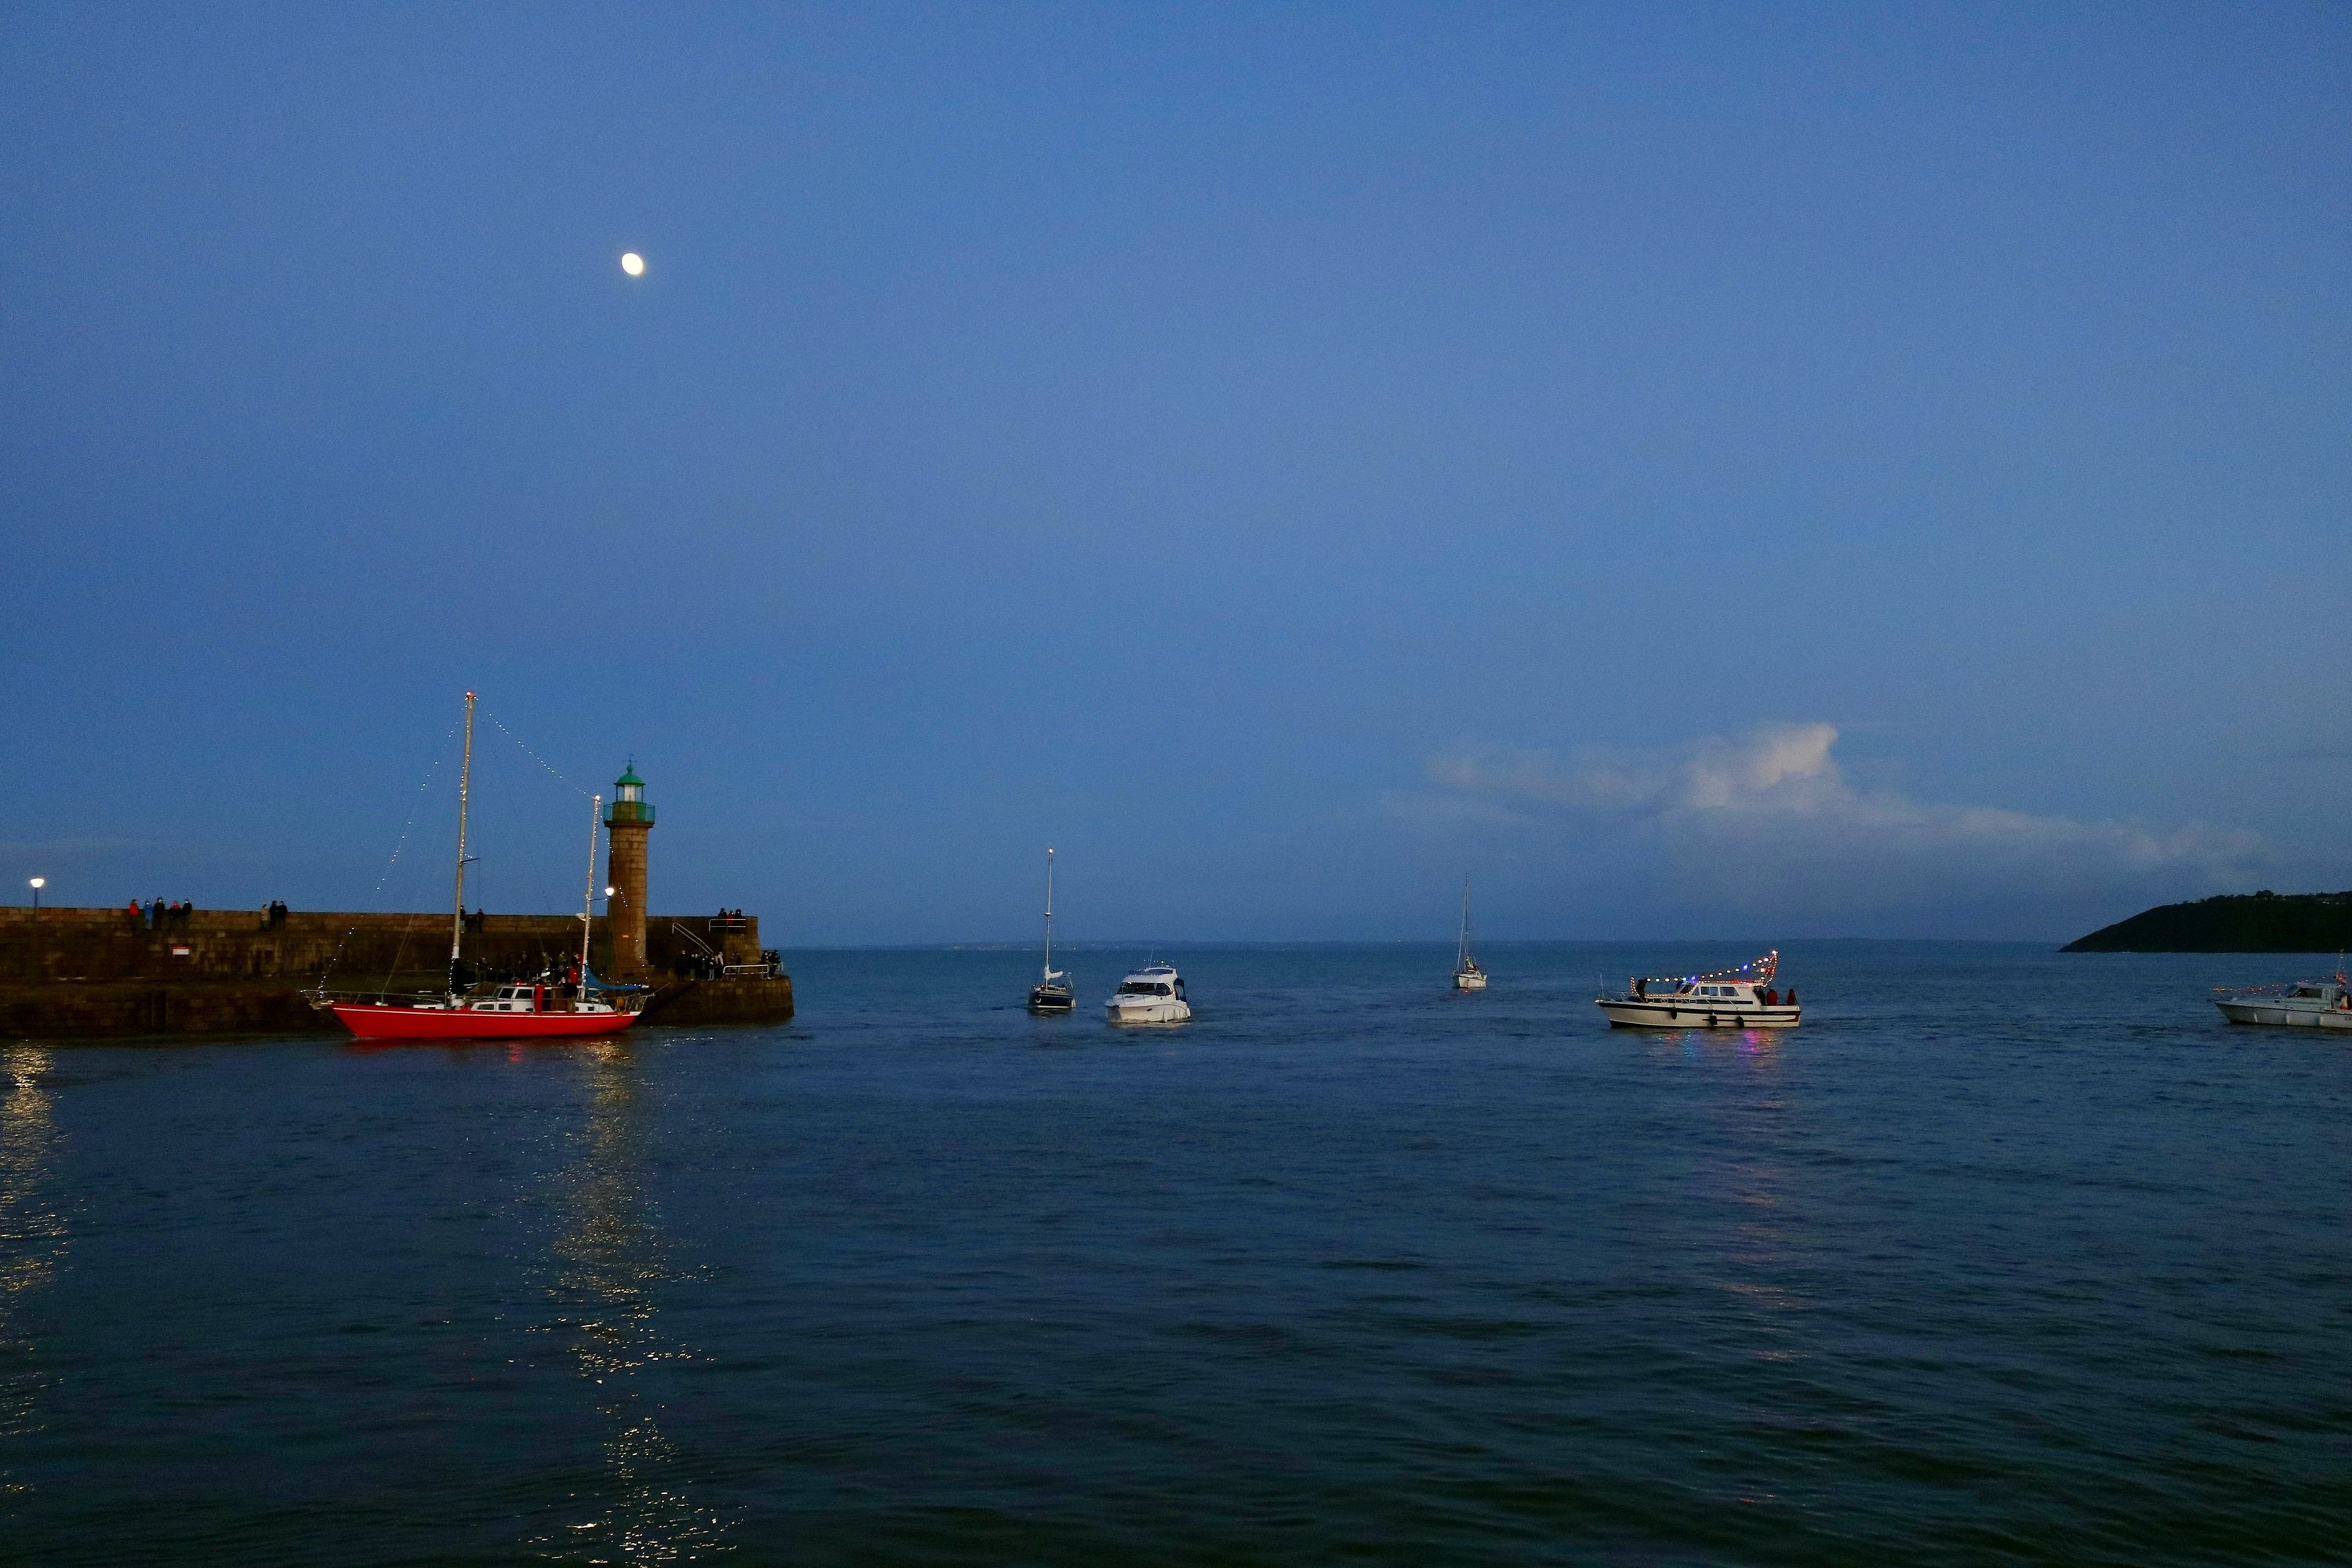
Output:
(2231, 922)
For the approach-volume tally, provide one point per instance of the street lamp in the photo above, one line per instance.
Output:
(608, 892)
(38, 883)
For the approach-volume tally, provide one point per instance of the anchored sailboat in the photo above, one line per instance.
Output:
(1467, 975)
(549, 1007)
(1052, 994)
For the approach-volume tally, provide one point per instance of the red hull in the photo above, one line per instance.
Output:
(371, 1021)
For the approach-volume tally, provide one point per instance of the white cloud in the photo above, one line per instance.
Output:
(1770, 820)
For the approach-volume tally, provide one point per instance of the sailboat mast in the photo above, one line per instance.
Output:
(1463, 956)
(465, 785)
(588, 892)
(1049, 914)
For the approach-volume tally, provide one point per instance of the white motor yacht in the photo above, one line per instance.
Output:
(2320, 1005)
(1152, 995)
(1741, 998)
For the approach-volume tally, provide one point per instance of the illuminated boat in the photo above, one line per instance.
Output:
(2319, 1004)
(568, 1007)
(1741, 998)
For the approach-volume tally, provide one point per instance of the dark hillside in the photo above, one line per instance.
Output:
(2233, 922)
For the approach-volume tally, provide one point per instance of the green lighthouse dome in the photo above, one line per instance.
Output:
(629, 803)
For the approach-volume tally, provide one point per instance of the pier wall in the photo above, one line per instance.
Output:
(79, 971)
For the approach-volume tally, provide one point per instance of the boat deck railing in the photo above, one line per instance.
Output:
(319, 996)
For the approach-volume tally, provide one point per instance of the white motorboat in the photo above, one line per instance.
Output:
(1467, 975)
(2317, 1005)
(1741, 998)
(1152, 995)
(1053, 993)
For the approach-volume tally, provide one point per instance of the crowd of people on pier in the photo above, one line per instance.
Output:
(157, 915)
(717, 965)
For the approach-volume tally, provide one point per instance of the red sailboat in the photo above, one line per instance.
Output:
(580, 1004)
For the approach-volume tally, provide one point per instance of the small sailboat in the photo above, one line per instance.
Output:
(1467, 975)
(1052, 994)
(553, 1006)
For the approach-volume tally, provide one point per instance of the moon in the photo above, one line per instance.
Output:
(633, 264)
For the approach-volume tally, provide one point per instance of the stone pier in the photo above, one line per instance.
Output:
(79, 972)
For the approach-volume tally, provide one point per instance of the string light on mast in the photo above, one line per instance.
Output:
(1760, 970)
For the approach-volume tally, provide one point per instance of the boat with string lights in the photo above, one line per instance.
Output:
(1741, 998)
(2310, 1004)
(573, 1006)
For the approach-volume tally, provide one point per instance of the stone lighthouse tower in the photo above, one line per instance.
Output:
(628, 822)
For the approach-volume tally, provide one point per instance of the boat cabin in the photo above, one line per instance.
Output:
(1740, 998)
(1157, 981)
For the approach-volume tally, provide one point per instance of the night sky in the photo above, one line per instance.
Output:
(1742, 472)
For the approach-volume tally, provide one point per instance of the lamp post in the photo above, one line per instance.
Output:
(38, 883)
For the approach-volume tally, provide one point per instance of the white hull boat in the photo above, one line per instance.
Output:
(2323, 1005)
(1152, 995)
(1467, 975)
(1741, 998)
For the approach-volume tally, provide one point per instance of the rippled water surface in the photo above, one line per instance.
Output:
(2004, 1255)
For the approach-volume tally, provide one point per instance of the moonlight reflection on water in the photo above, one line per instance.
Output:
(608, 1263)
(31, 1240)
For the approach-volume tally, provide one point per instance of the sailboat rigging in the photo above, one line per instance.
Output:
(549, 1007)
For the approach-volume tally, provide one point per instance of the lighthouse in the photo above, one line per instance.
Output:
(628, 822)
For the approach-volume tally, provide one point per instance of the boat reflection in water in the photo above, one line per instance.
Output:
(1760, 1047)
(1752, 1242)
(609, 1260)
(32, 1237)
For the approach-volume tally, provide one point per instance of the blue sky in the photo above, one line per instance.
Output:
(1704, 471)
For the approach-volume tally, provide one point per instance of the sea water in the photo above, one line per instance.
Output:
(2004, 1255)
